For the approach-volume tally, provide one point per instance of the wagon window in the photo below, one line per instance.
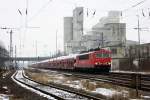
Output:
(84, 57)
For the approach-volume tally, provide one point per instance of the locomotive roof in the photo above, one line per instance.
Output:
(101, 50)
(65, 57)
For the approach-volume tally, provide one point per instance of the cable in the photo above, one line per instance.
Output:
(133, 6)
(40, 10)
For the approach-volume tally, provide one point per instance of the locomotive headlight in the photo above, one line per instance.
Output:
(96, 63)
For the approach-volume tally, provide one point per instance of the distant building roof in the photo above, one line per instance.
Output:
(131, 42)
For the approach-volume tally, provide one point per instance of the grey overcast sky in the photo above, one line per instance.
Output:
(48, 16)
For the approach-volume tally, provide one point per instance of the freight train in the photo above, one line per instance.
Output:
(99, 60)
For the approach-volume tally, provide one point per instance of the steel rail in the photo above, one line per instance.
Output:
(42, 91)
(71, 90)
(122, 79)
(129, 80)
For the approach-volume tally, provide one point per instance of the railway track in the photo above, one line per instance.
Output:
(131, 80)
(145, 82)
(54, 91)
(121, 80)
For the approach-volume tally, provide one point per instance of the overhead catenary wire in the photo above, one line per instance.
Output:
(40, 10)
(25, 26)
(124, 10)
(135, 5)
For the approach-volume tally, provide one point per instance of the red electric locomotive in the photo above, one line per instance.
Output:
(96, 60)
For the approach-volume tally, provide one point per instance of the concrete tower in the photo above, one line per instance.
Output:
(77, 23)
(68, 30)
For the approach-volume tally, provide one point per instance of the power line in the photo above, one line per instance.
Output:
(127, 9)
(135, 5)
(40, 10)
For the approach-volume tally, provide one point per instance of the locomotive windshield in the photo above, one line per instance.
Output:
(102, 55)
(84, 57)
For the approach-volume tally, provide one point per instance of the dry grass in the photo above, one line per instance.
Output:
(41, 78)
(90, 86)
(123, 93)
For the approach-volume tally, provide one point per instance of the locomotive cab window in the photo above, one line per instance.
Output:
(99, 55)
(104, 55)
(84, 57)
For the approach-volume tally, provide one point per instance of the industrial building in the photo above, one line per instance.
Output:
(137, 59)
(78, 23)
(68, 31)
(73, 31)
(107, 32)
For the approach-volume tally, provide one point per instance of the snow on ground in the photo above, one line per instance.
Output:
(146, 97)
(5, 87)
(130, 72)
(106, 92)
(82, 84)
(73, 84)
(88, 85)
(19, 75)
(4, 97)
(59, 93)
